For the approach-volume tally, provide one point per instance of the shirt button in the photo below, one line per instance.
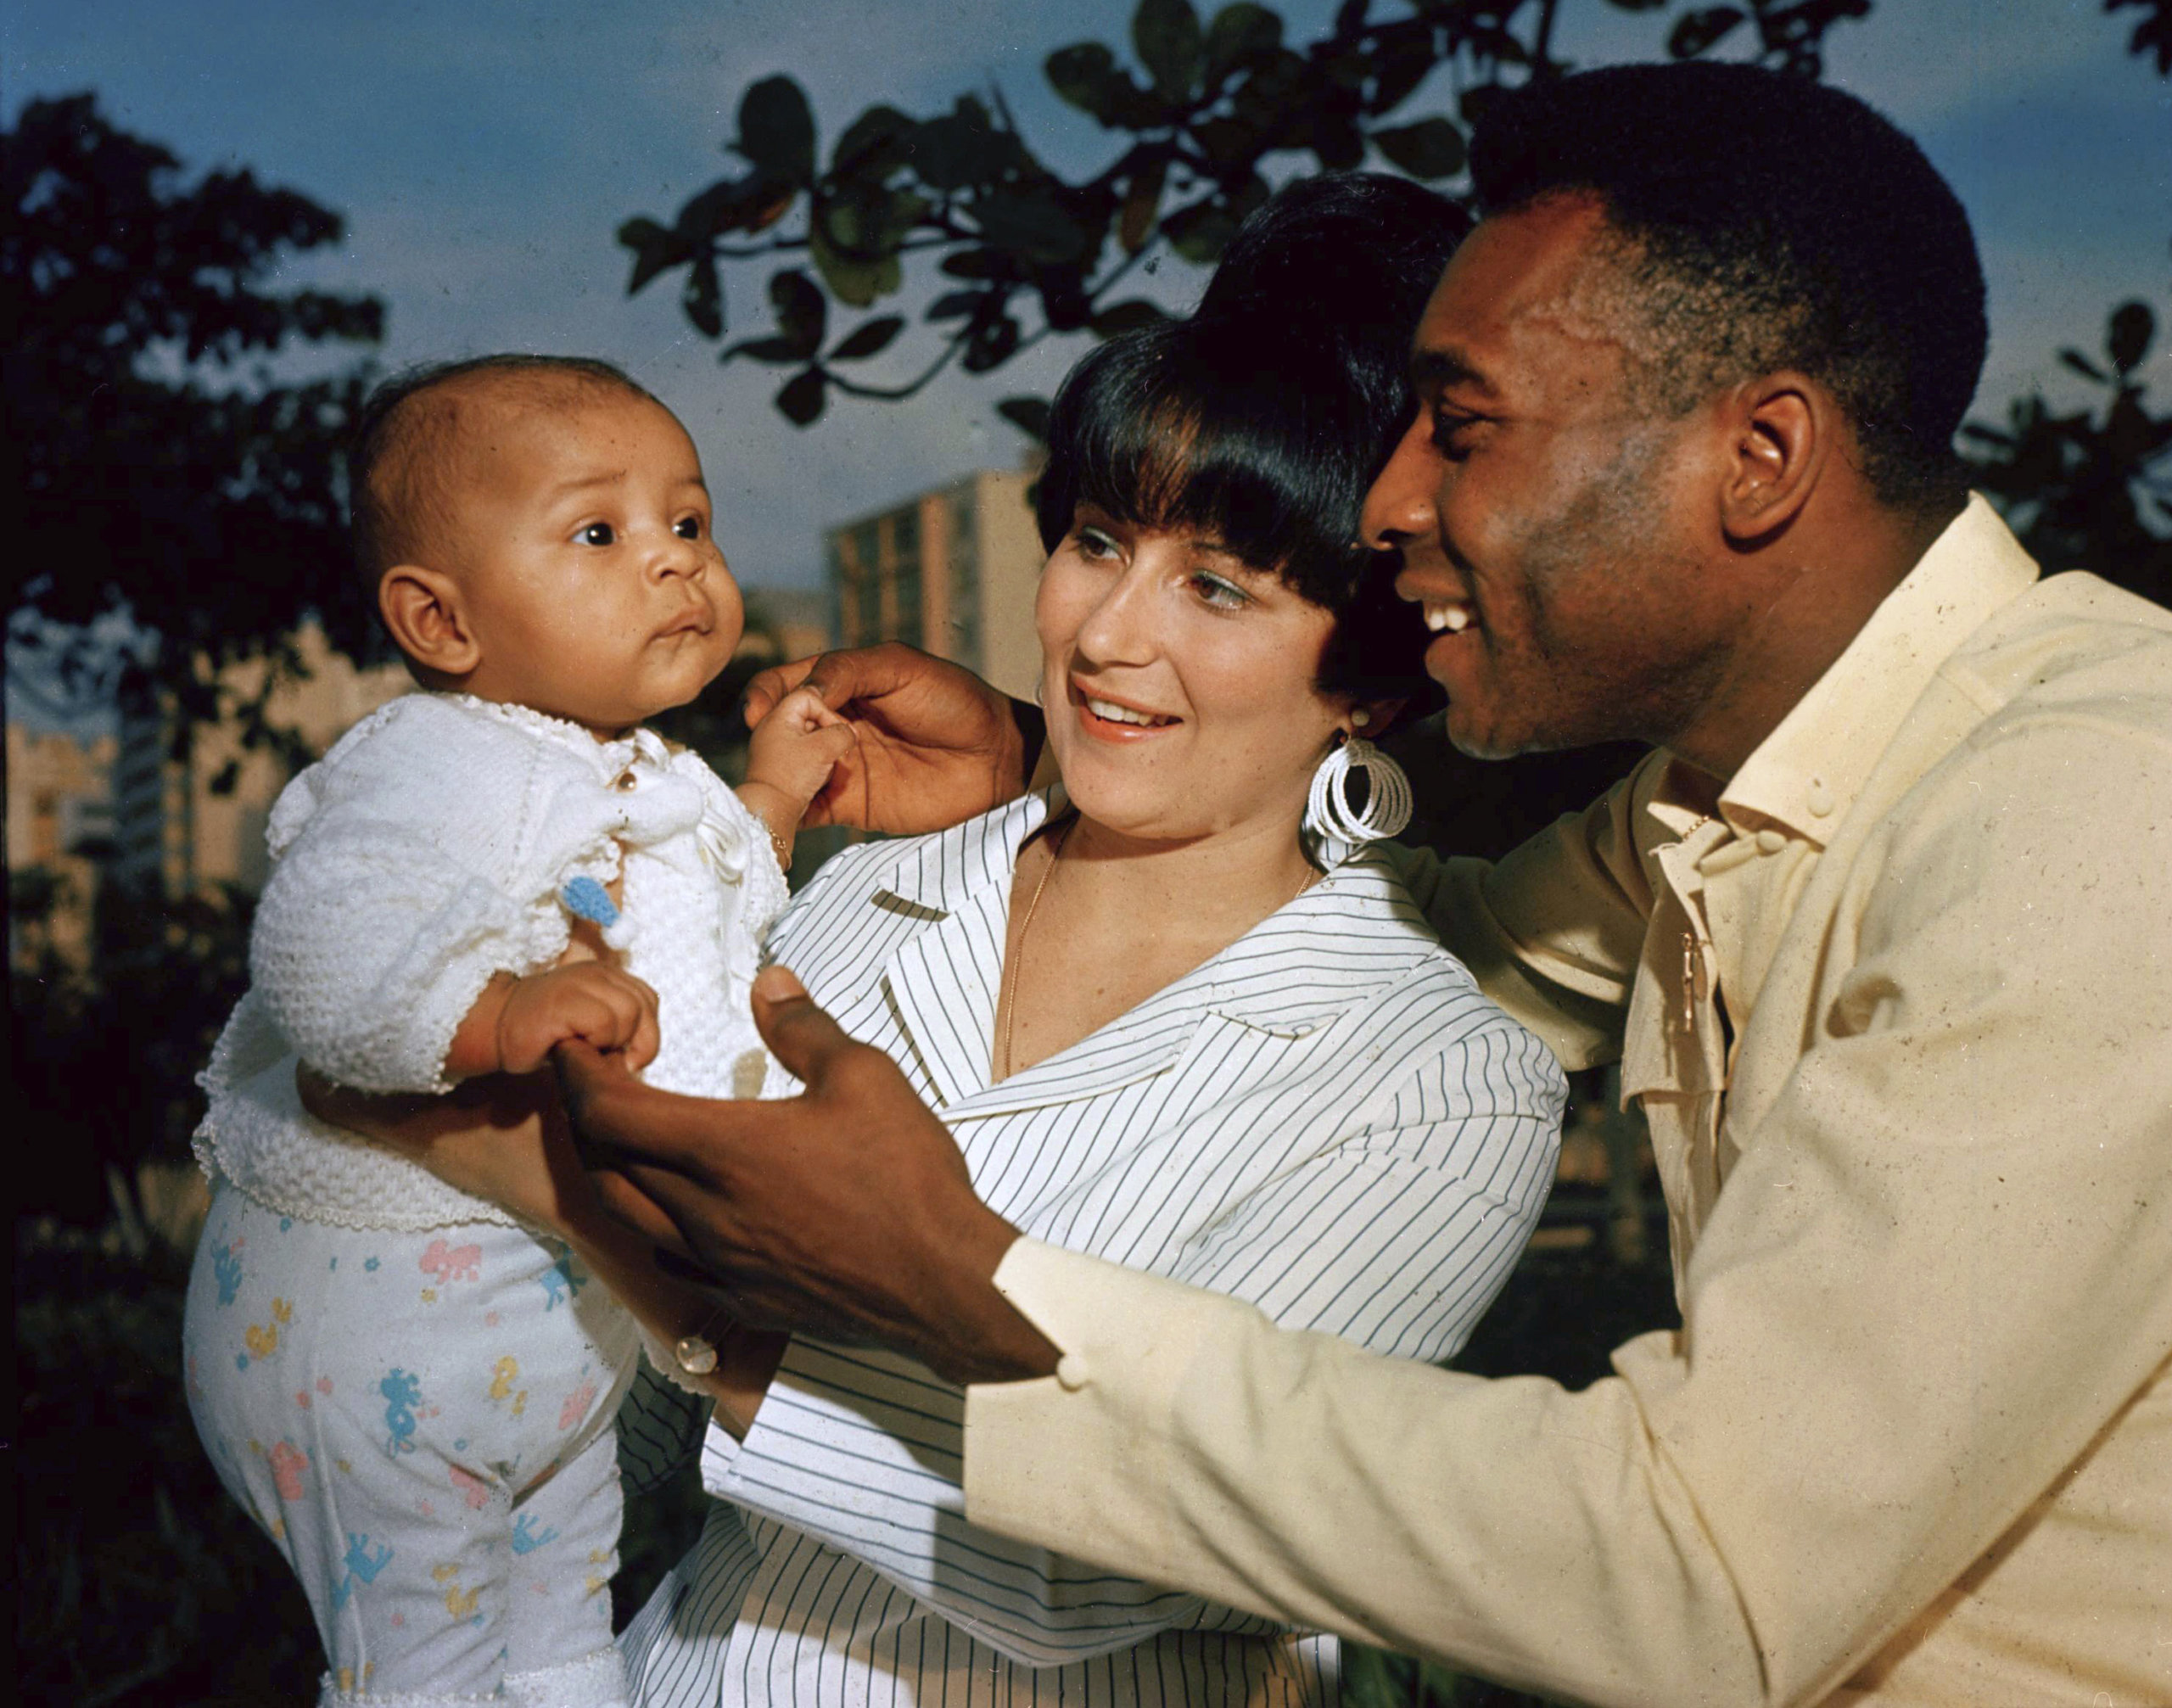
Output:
(1071, 1373)
(1771, 842)
(1819, 798)
(626, 782)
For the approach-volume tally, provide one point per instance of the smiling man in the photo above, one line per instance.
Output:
(1877, 932)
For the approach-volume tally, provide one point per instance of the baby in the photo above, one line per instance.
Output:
(411, 1394)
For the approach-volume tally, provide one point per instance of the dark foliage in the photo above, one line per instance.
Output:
(2091, 490)
(154, 465)
(1208, 106)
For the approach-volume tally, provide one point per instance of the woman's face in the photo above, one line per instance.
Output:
(1179, 683)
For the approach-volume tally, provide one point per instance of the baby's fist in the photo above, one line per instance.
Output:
(607, 1008)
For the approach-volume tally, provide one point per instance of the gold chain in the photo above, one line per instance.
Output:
(1018, 965)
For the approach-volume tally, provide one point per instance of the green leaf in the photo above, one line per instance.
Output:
(704, 298)
(1029, 415)
(1401, 67)
(802, 312)
(869, 338)
(2127, 339)
(1430, 148)
(772, 348)
(874, 145)
(777, 130)
(854, 280)
(1142, 201)
(1081, 75)
(655, 249)
(1130, 315)
(800, 398)
(1636, 5)
(1698, 32)
(1167, 36)
(960, 150)
(956, 305)
(980, 264)
(2083, 366)
(1034, 226)
(1238, 32)
(990, 346)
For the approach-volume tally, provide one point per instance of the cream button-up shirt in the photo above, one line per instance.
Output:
(1898, 1004)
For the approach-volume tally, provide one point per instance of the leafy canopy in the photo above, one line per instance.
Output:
(157, 468)
(1196, 118)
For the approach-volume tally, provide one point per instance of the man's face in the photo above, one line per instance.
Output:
(1551, 531)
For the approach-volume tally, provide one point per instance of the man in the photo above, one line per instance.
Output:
(1877, 932)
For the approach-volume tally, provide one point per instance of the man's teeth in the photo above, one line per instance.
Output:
(1120, 714)
(1443, 616)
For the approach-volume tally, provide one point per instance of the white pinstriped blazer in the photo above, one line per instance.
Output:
(1326, 1119)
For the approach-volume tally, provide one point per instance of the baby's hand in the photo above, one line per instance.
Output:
(586, 1000)
(795, 748)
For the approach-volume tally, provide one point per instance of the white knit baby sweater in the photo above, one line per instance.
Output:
(439, 842)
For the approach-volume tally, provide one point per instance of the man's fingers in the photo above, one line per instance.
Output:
(771, 685)
(617, 1121)
(804, 1038)
(624, 1202)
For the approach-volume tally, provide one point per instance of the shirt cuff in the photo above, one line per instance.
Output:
(1071, 1461)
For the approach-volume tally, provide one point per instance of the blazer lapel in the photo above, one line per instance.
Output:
(942, 983)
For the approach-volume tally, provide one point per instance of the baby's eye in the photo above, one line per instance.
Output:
(687, 527)
(597, 534)
(1220, 593)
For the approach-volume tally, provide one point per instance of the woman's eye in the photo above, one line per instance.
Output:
(687, 527)
(1222, 594)
(1093, 543)
(597, 534)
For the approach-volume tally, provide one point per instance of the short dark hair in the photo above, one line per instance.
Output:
(1262, 419)
(396, 456)
(1771, 222)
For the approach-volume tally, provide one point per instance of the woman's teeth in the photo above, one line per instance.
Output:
(1122, 714)
(1444, 617)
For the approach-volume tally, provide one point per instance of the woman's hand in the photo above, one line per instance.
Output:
(498, 1138)
(935, 744)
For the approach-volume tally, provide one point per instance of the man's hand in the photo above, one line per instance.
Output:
(845, 1212)
(936, 745)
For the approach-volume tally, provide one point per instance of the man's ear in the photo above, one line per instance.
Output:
(424, 611)
(1781, 429)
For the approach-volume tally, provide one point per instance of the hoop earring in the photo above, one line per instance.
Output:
(1341, 829)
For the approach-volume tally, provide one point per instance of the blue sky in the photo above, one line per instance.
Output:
(484, 150)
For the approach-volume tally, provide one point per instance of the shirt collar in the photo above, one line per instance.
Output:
(1806, 775)
(607, 759)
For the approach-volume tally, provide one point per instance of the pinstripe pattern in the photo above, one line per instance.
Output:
(1326, 1119)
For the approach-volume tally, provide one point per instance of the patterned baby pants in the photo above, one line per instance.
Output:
(422, 1423)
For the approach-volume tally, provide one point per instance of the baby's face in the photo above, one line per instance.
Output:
(585, 564)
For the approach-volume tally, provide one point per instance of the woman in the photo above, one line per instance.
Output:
(1172, 1013)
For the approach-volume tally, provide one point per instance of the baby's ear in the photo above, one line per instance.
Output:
(428, 620)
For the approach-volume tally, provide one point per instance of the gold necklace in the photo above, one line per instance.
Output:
(1017, 966)
(1017, 960)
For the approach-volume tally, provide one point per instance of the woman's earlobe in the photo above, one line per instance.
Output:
(423, 609)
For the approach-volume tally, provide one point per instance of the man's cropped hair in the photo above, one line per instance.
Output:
(1771, 222)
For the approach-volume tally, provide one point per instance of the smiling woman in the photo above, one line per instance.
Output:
(1167, 1021)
